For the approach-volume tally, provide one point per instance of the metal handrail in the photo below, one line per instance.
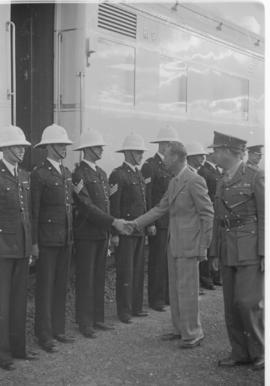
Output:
(12, 93)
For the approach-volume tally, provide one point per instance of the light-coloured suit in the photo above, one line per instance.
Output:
(190, 231)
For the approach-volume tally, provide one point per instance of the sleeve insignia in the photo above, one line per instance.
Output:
(78, 187)
(113, 189)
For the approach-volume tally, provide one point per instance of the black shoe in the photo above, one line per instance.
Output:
(191, 343)
(88, 333)
(125, 319)
(28, 356)
(230, 362)
(158, 308)
(201, 292)
(48, 346)
(7, 364)
(170, 336)
(218, 282)
(258, 364)
(64, 339)
(140, 313)
(103, 326)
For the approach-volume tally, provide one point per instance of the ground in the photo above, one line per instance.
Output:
(133, 354)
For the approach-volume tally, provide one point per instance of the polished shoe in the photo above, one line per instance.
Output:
(48, 346)
(64, 339)
(7, 364)
(201, 291)
(258, 364)
(158, 308)
(230, 362)
(191, 343)
(103, 326)
(218, 282)
(88, 333)
(125, 319)
(170, 336)
(140, 314)
(29, 356)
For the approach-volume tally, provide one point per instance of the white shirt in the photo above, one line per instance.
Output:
(91, 164)
(10, 167)
(161, 156)
(55, 164)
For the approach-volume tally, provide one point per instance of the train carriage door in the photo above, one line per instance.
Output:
(34, 25)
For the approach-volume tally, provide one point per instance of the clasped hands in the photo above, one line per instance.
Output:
(124, 227)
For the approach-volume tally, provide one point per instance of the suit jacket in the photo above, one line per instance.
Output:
(240, 199)
(156, 178)
(15, 223)
(92, 203)
(191, 215)
(51, 206)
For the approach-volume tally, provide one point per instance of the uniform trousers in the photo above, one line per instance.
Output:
(158, 268)
(184, 296)
(90, 281)
(243, 297)
(129, 275)
(13, 296)
(51, 288)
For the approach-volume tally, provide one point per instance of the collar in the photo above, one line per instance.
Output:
(181, 172)
(11, 168)
(91, 164)
(55, 164)
(192, 169)
(231, 172)
(211, 163)
(134, 168)
(161, 156)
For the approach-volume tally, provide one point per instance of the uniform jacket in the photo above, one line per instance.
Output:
(92, 203)
(156, 178)
(15, 223)
(239, 217)
(211, 176)
(190, 215)
(127, 194)
(51, 205)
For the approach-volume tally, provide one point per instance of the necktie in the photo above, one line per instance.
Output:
(62, 169)
(15, 172)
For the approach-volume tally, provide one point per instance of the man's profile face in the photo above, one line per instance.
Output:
(169, 158)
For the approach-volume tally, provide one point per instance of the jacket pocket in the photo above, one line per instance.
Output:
(247, 241)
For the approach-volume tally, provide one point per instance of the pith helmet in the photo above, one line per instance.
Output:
(166, 134)
(12, 136)
(90, 138)
(257, 149)
(133, 142)
(223, 140)
(195, 148)
(54, 134)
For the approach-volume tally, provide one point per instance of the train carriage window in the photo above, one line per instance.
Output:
(172, 91)
(114, 69)
(213, 93)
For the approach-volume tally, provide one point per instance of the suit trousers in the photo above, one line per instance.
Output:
(158, 268)
(243, 297)
(184, 296)
(129, 275)
(51, 287)
(90, 281)
(13, 296)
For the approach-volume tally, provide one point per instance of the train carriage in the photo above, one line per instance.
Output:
(122, 67)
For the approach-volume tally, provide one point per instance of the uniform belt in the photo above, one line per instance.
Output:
(235, 222)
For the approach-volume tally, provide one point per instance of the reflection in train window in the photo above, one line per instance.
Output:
(172, 91)
(215, 94)
(115, 78)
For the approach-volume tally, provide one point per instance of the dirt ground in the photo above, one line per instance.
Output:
(132, 354)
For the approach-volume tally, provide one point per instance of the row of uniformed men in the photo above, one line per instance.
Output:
(51, 196)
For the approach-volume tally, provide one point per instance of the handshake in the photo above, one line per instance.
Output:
(124, 227)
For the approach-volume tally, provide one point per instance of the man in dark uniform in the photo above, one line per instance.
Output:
(209, 269)
(239, 242)
(254, 155)
(157, 178)
(128, 202)
(92, 224)
(51, 188)
(15, 246)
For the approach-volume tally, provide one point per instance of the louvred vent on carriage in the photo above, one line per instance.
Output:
(118, 20)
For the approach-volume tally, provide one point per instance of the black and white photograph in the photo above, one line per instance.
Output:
(132, 193)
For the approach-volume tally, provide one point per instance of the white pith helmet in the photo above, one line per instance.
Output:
(195, 148)
(90, 138)
(54, 134)
(133, 142)
(166, 134)
(12, 136)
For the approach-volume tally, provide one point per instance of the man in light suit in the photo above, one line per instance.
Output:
(190, 230)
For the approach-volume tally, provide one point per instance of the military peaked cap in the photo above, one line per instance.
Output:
(223, 140)
(255, 149)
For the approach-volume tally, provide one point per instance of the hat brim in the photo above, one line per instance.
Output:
(123, 150)
(78, 148)
(22, 143)
(40, 144)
